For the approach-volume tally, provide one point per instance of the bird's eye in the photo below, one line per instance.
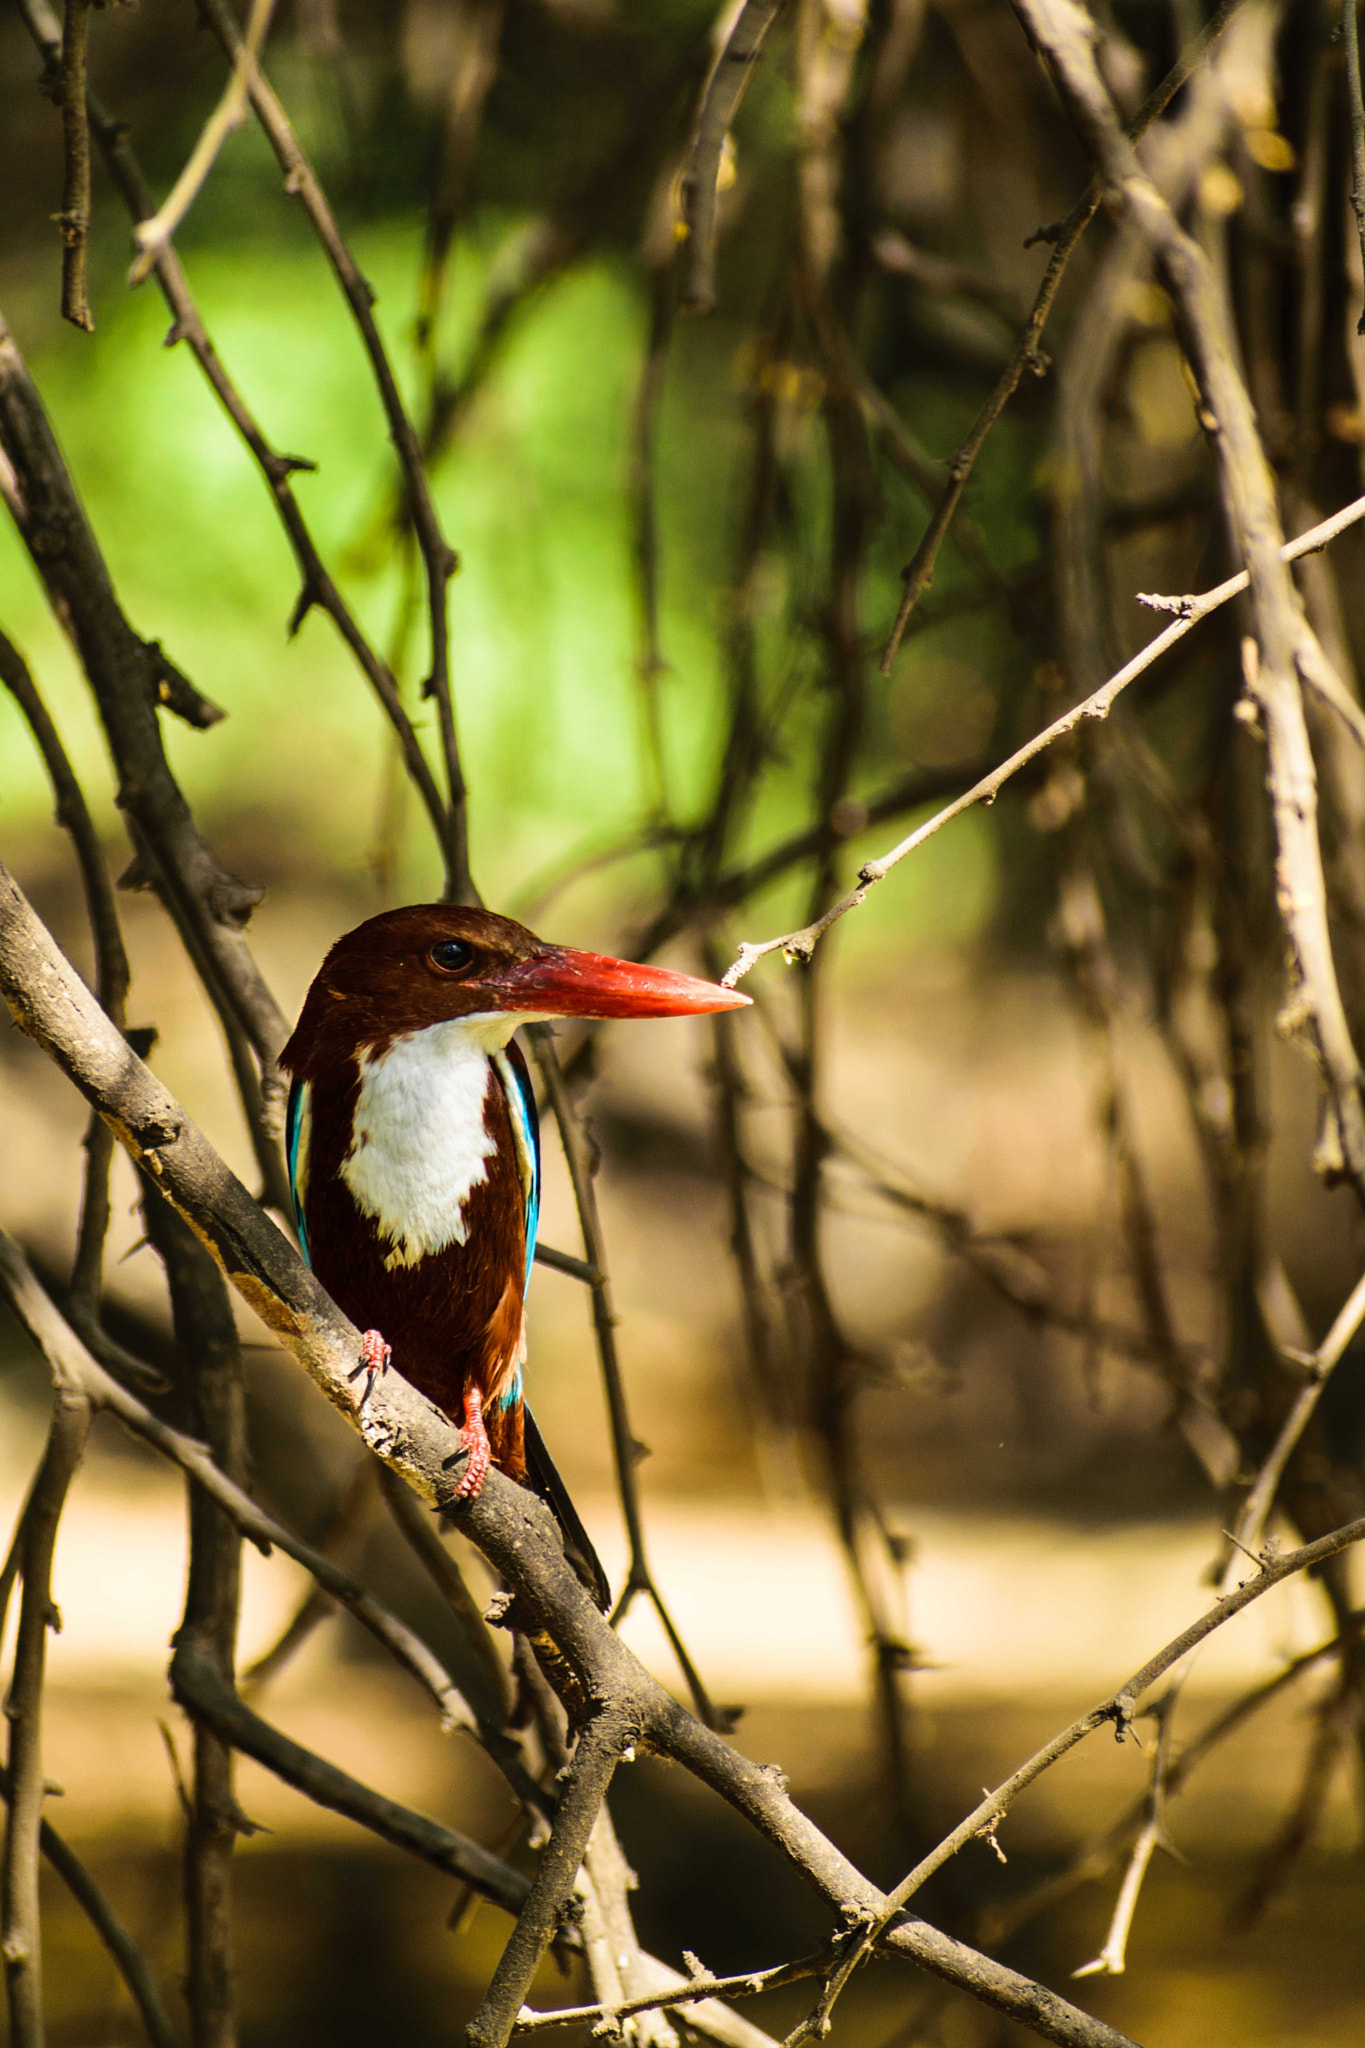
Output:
(452, 956)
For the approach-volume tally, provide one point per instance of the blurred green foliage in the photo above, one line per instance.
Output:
(533, 493)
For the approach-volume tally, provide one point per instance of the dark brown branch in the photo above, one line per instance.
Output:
(318, 586)
(1350, 39)
(724, 90)
(211, 1376)
(438, 556)
(128, 1959)
(203, 1694)
(583, 1785)
(111, 972)
(20, 1939)
(919, 573)
(73, 221)
(209, 905)
(512, 1528)
(72, 1364)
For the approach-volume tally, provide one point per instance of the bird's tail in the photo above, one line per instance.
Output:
(545, 1480)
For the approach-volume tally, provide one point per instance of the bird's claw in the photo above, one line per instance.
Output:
(375, 1355)
(474, 1440)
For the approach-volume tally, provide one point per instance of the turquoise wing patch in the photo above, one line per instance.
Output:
(297, 1131)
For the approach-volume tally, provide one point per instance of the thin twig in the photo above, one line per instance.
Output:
(1112, 1958)
(111, 973)
(625, 1447)
(152, 235)
(20, 1938)
(417, 1532)
(73, 221)
(439, 558)
(724, 90)
(128, 1959)
(1350, 40)
(799, 945)
(919, 572)
(701, 1985)
(1319, 1367)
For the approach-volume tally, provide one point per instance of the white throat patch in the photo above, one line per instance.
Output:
(419, 1146)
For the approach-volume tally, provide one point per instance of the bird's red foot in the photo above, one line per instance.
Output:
(374, 1357)
(474, 1439)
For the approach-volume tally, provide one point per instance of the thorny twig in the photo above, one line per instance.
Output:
(507, 1523)
(111, 977)
(919, 572)
(439, 558)
(799, 945)
(1112, 1958)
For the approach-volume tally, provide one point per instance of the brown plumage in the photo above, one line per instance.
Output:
(414, 1157)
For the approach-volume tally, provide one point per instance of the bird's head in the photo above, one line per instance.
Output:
(408, 969)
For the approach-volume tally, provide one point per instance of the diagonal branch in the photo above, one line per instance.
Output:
(1285, 650)
(439, 558)
(130, 1962)
(19, 1930)
(919, 572)
(799, 945)
(512, 1528)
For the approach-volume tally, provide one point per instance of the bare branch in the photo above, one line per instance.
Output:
(724, 90)
(73, 221)
(20, 1941)
(438, 556)
(1350, 41)
(799, 945)
(919, 572)
(152, 235)
(509, 1525)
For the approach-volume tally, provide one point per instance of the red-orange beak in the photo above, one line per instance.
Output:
(558, 982)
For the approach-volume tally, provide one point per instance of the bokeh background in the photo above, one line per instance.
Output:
(1050, 1523)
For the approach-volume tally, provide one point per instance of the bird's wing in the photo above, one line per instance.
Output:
(298, 1123)
(521, 1102)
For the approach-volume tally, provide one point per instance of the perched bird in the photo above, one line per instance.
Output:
(414, 1153)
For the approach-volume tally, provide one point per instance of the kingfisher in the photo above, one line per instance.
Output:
(414, 1155)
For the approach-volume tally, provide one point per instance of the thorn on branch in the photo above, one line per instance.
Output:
(231, 901)
(1120, 1712)
(303, 604)
(175, 690)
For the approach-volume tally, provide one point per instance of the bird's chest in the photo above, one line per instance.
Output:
(428, 1122)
